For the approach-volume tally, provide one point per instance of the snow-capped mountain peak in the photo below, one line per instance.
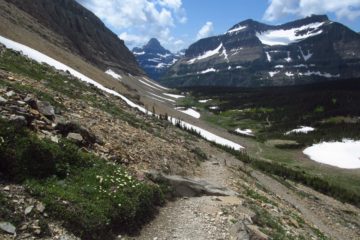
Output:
(154, 58)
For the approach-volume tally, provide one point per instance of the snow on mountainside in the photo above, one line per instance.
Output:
(154, 59)
(253, 54)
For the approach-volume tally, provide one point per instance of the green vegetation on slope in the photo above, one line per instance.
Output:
(93, 197)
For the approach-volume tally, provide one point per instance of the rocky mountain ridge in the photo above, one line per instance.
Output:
(253, 54)
(84, 33)
(154, 59)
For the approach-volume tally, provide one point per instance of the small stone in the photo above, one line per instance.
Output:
(19, 120)
(28, 210)
(294, 222)
(6, 188)
(2, 100)
(8, 227)
(54, 139)
(40, 207)
(10, 94)
(76, 137)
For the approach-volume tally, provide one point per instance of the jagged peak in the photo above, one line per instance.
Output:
(153, 43)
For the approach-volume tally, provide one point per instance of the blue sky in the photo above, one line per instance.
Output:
(178, 23)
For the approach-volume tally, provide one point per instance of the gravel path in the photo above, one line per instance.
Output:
(200, 218)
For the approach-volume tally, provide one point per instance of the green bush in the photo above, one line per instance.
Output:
(23, 155)
(99, 201)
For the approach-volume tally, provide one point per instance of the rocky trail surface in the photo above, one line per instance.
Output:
(234, 217)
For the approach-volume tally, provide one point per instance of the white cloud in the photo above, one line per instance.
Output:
(349, 9)
(138, 20)
(205, 31)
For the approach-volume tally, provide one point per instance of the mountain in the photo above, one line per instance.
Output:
(84, 34)
(254, 54)
(154, 59)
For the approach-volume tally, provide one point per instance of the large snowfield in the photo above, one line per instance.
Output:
(288, 36)
(42, 58)
(345, 154)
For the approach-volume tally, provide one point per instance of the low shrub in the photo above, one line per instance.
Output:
(95, 199)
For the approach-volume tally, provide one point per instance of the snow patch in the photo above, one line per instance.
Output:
(155, 84)
(113, 74)
(214, 107)
(301, 129)
(318, 73)
(300, 66)
(174, 95)
(305, 56)
(190, 112)
(247, 132)
(268, 56)
(236, 29)
(206, 54)
(139, 53)
(345, 154)
(289, 74)
(288, 36)
(149, 85)
(273, 73)
(279, 66)
(163, 98)
(208, 71)
(288, 59)
(204, 100)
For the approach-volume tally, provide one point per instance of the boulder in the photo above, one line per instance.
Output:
(8, 227)
(64, 128)
(186, 187)
(18, 120)
(46, 109)
(255, 233)
(75, 137)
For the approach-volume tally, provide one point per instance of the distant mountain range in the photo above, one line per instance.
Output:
(154, 59)
(253, 54)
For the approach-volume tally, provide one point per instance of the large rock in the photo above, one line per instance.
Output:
(186, 187)
(46, 109)
(8, 227)
(66, 127)
(75, 137)
(255, 233)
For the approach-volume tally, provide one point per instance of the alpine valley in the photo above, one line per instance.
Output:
(249, 135)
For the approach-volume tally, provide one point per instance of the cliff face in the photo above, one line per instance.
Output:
(84, 33)
(252, 54)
